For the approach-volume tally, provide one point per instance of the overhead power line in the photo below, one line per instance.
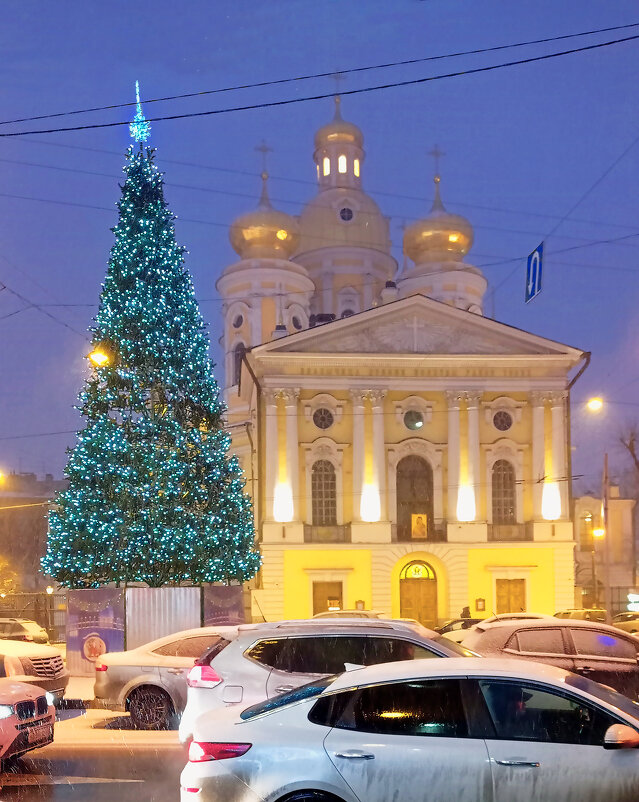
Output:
(312, 76)
(325, 95)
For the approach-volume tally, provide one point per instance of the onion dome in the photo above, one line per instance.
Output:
(338, 131)
(439, 237)
(265, 232)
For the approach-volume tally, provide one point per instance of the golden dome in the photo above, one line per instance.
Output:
(439, 237)
(265, 232)
(338, 131)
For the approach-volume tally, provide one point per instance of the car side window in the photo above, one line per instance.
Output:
(168, 649)
(537, 641)
(523, 712)
(595, 643)
(415, 707)
(390, 650)
(269, 652)
(196, 646)
(323, 654)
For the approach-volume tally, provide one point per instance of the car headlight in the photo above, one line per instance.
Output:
(6, 711)
(13, 666)
(50, 698)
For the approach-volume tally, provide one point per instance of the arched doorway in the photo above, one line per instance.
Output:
(414, 499)
(418, 593)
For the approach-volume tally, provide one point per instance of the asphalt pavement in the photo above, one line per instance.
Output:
(96, 757)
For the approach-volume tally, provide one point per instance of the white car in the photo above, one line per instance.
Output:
(27, 718)
(460, 729)
(460, 635)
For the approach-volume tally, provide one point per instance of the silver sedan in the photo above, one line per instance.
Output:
(437, 730)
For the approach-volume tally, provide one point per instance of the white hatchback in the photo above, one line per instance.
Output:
(467, 730)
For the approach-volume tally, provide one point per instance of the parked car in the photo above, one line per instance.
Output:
(149, 682)
(23, 629)
(268, 659)
(460, 635)
(27, 718)
(583, 614)
(597, 651)
(471, 730)
(457, 624)
(351, 614)
(628, 621)
(35, 664)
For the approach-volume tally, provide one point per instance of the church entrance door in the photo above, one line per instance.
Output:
(418, 593)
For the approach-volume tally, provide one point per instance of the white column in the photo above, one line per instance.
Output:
(272, 455)
(538, 451)
(292, 446)
(473, 449)
(559, 463)
(379, 463)
(454, 401)
(357, 401)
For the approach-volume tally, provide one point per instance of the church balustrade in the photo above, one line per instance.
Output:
(437, 533)
(340, 533)
(509, 532)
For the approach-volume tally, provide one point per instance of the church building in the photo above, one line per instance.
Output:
(404, 453)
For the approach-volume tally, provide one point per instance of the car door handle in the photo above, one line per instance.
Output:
(355, 754)
(530, 763)
(175, 670)
(284, 688)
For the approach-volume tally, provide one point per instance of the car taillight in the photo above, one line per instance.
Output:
(200, 751)
(202, 677)
(100, 666)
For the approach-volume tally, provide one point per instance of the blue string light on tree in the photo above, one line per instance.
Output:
(140, 129)
(154, 495)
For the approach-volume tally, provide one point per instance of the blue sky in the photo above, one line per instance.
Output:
(523, 146)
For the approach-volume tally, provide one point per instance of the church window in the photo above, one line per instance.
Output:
(502, 420)
(323, 418)
(238, 355)
(341, 164)
(504, 492)
(346, 214)
(324, 493)
(237, 321)
(326, 165)
(356, 167)
(318, 172)
(413, 419)
(297, 323)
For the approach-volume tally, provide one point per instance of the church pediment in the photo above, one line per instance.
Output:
(417, 325)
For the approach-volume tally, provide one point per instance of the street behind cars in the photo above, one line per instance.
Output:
(269, 659)
(469, 730)
(150, 681)
(597, 651)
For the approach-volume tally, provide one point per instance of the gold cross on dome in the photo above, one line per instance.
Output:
(437, 154)
(338, 77)
(264, 149)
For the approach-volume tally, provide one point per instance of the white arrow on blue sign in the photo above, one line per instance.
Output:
(534, 268)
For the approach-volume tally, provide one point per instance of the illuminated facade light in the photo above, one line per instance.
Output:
(370, 505)
(341, 164)
(466, 504)
(356, 167)
(283, 503)
(282, 234)
(551, 501)
(598, 532)
(326, 165)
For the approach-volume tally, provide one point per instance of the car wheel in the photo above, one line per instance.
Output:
(150, 708)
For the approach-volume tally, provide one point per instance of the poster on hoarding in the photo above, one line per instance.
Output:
(95, 625)
(223, 605)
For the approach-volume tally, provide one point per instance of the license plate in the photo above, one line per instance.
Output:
(36, 734)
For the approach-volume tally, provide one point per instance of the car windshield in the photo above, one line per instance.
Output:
(307, 691)
(605, 694)
(454, 649)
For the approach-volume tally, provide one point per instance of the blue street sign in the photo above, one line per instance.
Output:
(534, 268)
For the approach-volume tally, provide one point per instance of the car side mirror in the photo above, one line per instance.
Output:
(620, 736)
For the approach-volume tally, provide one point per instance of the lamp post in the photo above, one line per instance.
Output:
(606, 551)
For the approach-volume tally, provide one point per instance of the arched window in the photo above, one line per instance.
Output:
(238, 355)
(341, 164)
(323, 493)
(326, 165)
(414, 499)
(504, 493)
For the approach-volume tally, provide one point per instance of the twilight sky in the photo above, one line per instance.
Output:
(523, 144)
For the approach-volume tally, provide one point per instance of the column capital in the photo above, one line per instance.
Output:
(557, 397)
(270, 396)
(376, 396)
(454, 398)
(357, 397)
(472, 399)
(289, 395)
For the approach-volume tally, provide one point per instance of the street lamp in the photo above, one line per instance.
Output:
(594, 404)
(49, 590)
(99, 357)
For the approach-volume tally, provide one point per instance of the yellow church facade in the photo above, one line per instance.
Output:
(404, 453)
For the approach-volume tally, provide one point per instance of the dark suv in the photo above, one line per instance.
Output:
(597, 651)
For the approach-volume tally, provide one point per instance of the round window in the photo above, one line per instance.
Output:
(502, 420)
(413, 419)
(346, 214)
(237, 321)
(297, 323)
(323, 418)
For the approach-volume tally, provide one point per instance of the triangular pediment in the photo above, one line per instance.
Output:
(417, 326)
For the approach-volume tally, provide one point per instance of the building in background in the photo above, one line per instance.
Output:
(591, 546)
(404, 452)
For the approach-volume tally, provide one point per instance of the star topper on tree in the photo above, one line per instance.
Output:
(153, 495)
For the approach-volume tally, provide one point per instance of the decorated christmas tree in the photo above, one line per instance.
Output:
(154, 495)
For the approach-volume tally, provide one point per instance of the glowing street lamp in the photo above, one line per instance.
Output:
(99, 357)
(594, 404)
(49, 590)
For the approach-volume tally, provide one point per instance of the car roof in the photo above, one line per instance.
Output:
(545, 623)
(453, 666)
(335, 625)
(187, 633)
